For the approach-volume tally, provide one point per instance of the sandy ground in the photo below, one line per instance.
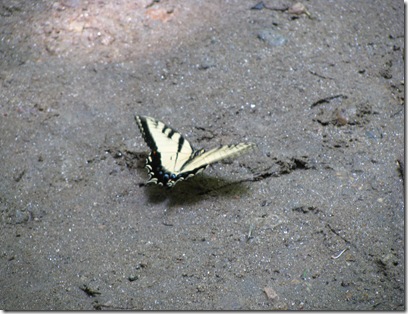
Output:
(319, 89)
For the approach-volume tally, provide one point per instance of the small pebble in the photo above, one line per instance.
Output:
(133, 278)
(271, 37)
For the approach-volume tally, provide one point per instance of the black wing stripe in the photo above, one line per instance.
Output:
(179, 147)
(168, 131)
(170, 135)
(180, 144)
(145, 130)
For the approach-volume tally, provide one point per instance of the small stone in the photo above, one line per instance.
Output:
(298, 8)
(258, 6)
(22, 216)
(200, 288)
(270, 293)
(207, 63)
(271, 37)
(133, 278)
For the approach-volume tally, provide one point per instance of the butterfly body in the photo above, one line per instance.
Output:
(172, 157)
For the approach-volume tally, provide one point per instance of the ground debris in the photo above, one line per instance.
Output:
(271, 293)
(89, 291)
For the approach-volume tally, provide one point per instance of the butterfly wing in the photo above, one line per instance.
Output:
(169, 149)
(216, 154)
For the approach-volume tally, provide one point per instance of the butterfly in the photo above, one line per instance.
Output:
(173, 158)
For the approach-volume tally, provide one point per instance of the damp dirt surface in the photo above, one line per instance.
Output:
(313, 219)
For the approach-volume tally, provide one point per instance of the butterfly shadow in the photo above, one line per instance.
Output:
(187, 192)
(194, 190)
